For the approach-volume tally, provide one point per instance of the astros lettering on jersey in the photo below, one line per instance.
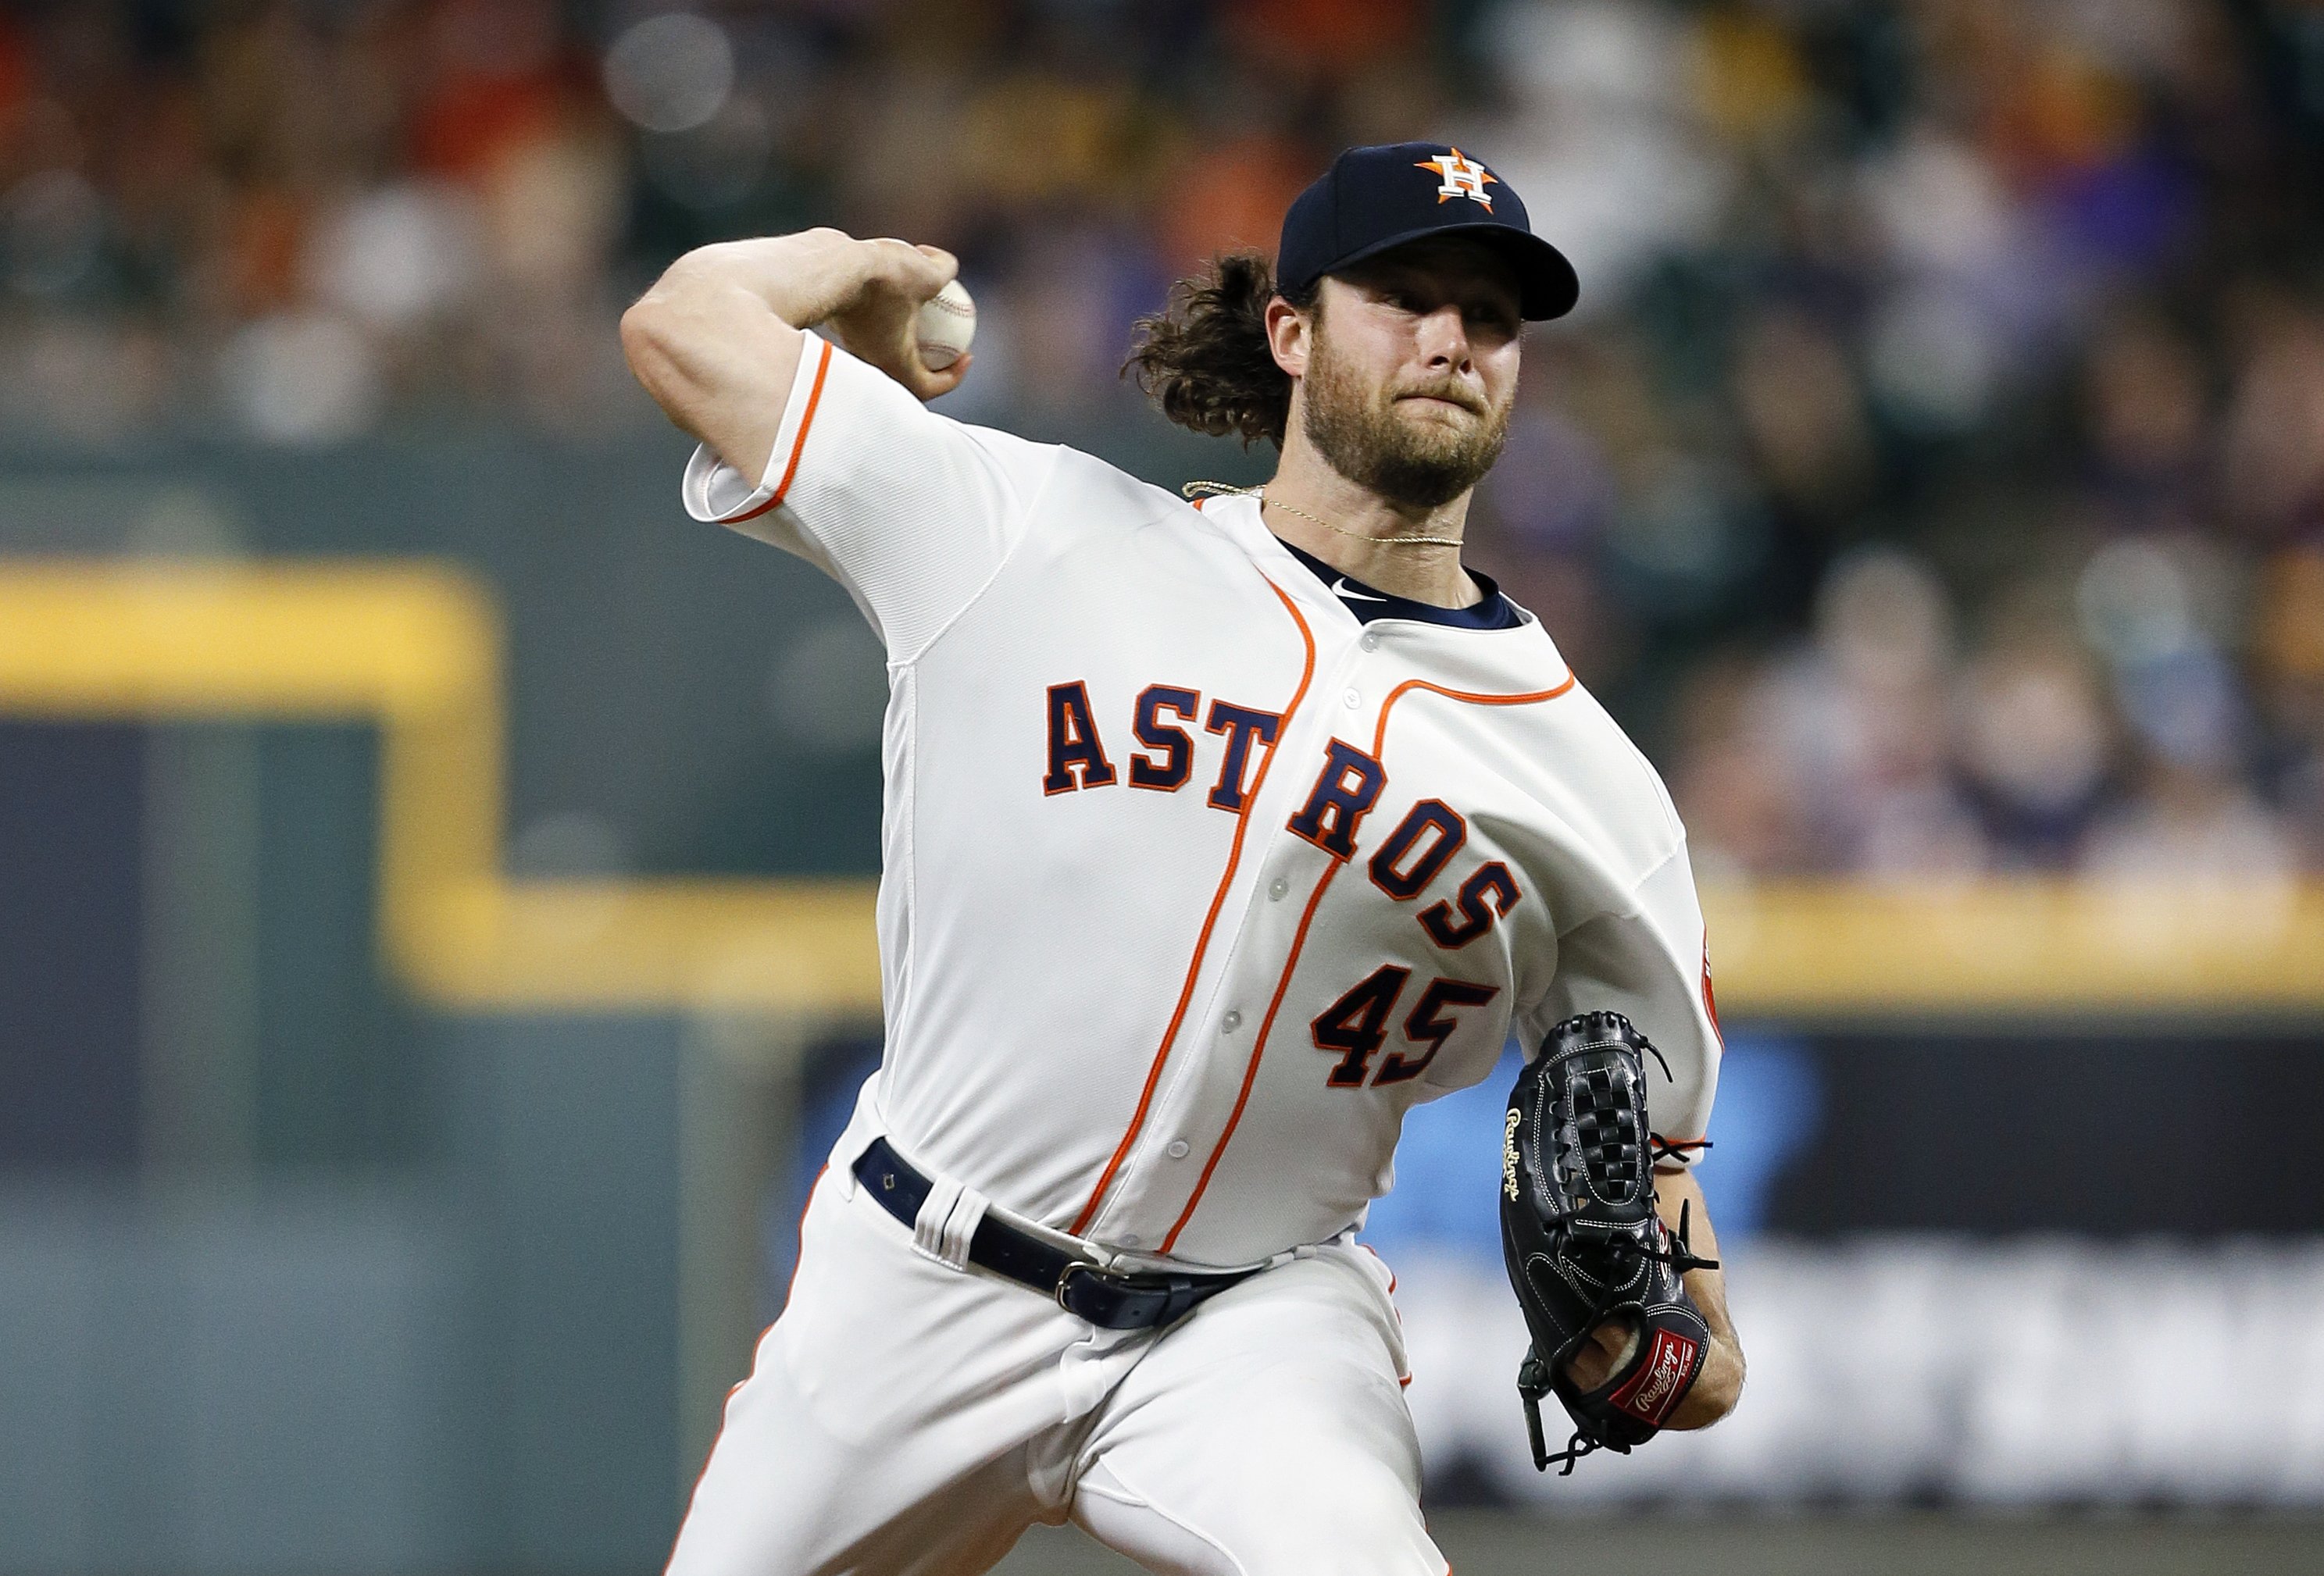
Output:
(1192, 881)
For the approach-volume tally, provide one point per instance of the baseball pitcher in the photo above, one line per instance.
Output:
(1216, 836)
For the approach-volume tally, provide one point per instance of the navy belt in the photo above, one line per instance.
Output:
(1106, 1298)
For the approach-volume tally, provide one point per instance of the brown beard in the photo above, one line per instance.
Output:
(1358, 432)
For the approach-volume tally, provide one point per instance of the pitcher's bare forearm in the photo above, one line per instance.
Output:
(717, 341)
(1720, 1383)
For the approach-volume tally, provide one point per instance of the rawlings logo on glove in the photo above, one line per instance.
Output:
(1583, 1245)
(1659, 1381)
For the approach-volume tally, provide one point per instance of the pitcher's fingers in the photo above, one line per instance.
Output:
(946, 382)
(946, 263)
(917, 272)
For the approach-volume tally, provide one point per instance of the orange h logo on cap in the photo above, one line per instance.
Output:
(1464, 177)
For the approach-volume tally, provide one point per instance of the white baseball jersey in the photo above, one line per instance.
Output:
(1193, 882)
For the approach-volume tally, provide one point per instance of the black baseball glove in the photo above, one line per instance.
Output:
(1582, 1241)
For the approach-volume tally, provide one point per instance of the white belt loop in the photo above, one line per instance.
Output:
(960, 1226)
(946, 1223)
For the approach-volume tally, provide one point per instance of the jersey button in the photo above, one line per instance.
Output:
(1231, 1022)
(1370, 643)
(1277, 888)
(1130, 1239)
(1179, 1149)
(1352, 700)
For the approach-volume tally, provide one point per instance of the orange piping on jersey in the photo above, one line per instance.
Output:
(1209, 920)
(798, 444)
(1258, 1044)
(1380, 734)
(1709, 996)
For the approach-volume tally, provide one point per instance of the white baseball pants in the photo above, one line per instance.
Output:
(904, 1418)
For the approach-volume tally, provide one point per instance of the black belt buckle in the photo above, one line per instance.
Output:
(1115, 1302)
(1110, 1301)
(1118, 1302)
(1066, 1281)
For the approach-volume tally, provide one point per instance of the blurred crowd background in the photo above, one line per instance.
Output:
(1932, 477)
(1932, 480)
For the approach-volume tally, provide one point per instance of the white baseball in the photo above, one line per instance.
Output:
(948, 323)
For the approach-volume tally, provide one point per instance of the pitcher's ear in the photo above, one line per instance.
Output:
(1290, 336)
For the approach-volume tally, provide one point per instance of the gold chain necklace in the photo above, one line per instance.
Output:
(1207, 488)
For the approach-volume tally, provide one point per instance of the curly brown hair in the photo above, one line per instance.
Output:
(1204, 358)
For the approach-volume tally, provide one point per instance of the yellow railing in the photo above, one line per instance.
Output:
(1822, 949)
(416, 648)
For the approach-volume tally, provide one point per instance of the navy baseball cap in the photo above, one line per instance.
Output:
(1373, 198)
